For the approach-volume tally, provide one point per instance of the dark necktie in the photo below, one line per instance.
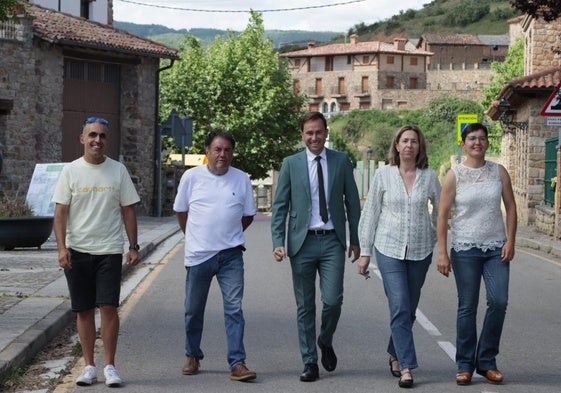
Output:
(322, 200)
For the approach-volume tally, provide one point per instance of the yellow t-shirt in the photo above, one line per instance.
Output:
(95, 194)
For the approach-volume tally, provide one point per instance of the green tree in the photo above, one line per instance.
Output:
(238, 84)
(512, 67)
(6, 8)
(549, 10)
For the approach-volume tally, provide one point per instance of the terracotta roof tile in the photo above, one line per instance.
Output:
(451, 39)
(356, 48)
(545, 79)
(65, 29)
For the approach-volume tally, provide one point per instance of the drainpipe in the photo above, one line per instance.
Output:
(158, 147)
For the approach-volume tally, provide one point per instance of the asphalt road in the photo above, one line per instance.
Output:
(150, 354)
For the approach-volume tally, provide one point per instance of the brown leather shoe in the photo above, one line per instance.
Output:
(463, 378)
(241, 373)
(191, 366)
(493, 376)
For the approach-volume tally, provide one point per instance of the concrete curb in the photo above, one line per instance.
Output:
(23, 348)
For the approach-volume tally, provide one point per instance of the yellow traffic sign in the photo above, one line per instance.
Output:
(462, 120)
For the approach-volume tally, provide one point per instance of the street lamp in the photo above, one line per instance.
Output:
(507, 117)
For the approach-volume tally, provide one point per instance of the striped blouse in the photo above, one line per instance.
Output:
(400, 225)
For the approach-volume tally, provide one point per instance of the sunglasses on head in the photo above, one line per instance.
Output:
(94, 119)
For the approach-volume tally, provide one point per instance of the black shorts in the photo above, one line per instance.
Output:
(94, 280)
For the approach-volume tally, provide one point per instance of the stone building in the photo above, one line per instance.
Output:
(56, 69)
(381, 75)
(526, 132)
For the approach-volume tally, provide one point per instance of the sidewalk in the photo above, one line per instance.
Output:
(34, 303)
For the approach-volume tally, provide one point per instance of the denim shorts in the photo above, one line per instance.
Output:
(94, 280)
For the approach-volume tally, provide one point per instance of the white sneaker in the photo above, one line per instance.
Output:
(88, 376)
(112, 378)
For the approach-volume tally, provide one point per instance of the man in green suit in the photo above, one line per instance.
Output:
(316, 236)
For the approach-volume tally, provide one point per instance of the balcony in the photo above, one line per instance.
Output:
(312, 92)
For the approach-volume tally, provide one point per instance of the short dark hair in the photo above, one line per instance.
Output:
(312, 116)
(222, 134)
(472, 127)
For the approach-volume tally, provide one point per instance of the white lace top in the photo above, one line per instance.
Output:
(478, 220)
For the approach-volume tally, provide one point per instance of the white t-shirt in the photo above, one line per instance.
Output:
(215, 206)
(95, 194)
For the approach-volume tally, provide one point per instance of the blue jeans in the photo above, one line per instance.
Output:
(228, 267)
(403, 280)
(469, 266)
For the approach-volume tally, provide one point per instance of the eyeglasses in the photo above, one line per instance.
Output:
(476, 138)
(94, 119)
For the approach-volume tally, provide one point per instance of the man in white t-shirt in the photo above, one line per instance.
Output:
(214, 205)
(94, 196)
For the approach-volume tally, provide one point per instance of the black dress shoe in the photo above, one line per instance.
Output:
(310, 373)
(328, 357)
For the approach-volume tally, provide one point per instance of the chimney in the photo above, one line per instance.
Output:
(354, 38)
(311, 44)
(399, 43)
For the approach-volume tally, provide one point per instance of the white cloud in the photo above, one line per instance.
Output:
(339, 18)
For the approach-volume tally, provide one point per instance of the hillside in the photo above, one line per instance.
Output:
(173, 38)
(437, 16)
(442, 17)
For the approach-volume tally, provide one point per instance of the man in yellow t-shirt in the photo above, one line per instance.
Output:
(94, 196)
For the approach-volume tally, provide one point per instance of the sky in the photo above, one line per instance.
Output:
(308, 15)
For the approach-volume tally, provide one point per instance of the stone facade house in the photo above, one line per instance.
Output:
(381, 75)
(359, 75)
(56, 69)
(527, 135)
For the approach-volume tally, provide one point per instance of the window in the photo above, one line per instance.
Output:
(413, 61)
(413, 83)
(364, 85)
(341, 86)
(297, 63)
(365, 59)
(319, 87)
(390, 80)
(296, 87)
(333, 107)
(85, 9)
(390, 60)
(329, 63)
(364, 105)
(345, 106)
(349, 59)
(325, 107)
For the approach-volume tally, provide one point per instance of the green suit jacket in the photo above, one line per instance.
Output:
(293, 199)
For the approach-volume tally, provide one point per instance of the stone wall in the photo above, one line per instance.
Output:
(138, 130)
(543, 45)
(31, 76)
(432, 84)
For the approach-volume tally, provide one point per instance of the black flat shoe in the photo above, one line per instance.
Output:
(395, 373)
(406, 379)
(310, 373)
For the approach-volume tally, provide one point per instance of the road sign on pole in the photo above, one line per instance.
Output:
(462, 120)
(552, 106)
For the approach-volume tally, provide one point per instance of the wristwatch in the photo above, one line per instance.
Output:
(134, 247)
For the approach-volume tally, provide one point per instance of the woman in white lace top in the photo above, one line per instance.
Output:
(399, 224)
(480, 247)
